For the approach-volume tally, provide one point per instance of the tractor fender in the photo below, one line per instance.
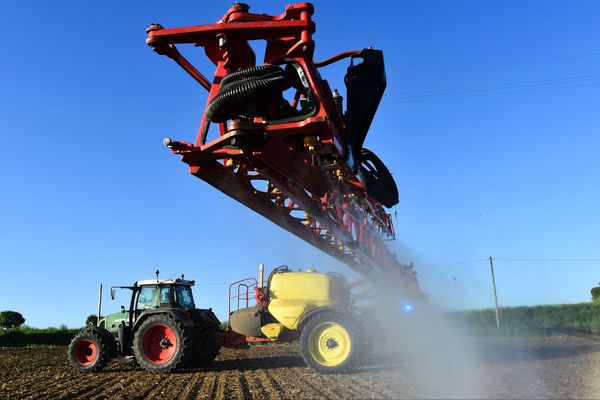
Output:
(335, 309)
(107, 336)
(182, 315)
(206, 318)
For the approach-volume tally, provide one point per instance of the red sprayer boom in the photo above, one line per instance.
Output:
(297, 161)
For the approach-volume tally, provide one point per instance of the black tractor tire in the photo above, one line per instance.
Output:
(162, 344)
(205, 351)
(330, 341)
(89, 351)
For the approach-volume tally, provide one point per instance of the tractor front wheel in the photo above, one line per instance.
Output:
(329, 341)
(88, 351)
(162, 344)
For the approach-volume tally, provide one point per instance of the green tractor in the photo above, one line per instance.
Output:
(162, 331)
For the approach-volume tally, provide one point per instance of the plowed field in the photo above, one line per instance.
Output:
(558, 367)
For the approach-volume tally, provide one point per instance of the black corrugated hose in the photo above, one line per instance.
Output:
(253, 83)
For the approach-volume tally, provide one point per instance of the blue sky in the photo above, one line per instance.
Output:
(489, 124)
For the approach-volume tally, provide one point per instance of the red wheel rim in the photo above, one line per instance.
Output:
(86, 352)
(159, 343)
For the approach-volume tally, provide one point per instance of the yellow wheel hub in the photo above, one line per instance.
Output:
(329, 344)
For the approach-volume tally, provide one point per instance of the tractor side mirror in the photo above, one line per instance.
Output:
(123, 309)
(112, 293)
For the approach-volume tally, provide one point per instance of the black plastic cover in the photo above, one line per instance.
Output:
(365, 83)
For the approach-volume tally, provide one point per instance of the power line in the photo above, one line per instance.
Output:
(28, 292)
(509, 85)
(509, 259)
(212, 284)
(464, 262)
(509, 64)
(445, 264)
(486, 94)
(550, 259)
(493, 89)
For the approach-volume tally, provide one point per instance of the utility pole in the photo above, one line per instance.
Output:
(495, 295)
(99, 305)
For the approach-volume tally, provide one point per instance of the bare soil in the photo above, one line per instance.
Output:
(551, 367)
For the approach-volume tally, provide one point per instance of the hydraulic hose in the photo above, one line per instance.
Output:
(253, 83)
(228, 101)
(268, 75)
(257, 70)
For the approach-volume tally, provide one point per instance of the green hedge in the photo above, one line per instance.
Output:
(583, 318)
(36, 337)
(596, 294)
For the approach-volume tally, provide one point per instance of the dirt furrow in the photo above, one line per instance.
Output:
(349, 390)
(192, 386)
(44, 379)
(91, 391)
(372, 388)
(255, 386)
(324, 390)
(245, 391)
(274, 389)
(234, 386)
(222, 382)
(167, 387)
(562, 367)
(141, 388)
(286, 389)
(209, 385)
(120, 384)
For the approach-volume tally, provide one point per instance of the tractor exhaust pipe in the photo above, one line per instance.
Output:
(99, 305)
(261, 275)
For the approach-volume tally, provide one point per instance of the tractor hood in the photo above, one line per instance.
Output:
(111, 321)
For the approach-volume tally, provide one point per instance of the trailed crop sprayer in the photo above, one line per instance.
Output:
(163, 331)
(276, 138)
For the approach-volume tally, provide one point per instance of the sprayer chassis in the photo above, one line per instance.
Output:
(294, 172)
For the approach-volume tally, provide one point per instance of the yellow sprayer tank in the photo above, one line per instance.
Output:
(293, 294)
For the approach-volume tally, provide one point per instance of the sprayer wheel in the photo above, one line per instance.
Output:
(329, 341)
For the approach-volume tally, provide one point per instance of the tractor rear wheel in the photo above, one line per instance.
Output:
(89, 351)
(329, 341)
(162, 344)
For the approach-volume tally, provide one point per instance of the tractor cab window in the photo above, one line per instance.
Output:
(146, 298)
(185, 297)
(167, 295)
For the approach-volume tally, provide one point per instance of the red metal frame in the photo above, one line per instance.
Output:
(240, 296)
(252, 286)
(306, 188)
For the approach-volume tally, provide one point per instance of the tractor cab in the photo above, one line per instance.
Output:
(168, 293)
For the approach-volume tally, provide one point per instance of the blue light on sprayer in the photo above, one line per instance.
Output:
(408, 307)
